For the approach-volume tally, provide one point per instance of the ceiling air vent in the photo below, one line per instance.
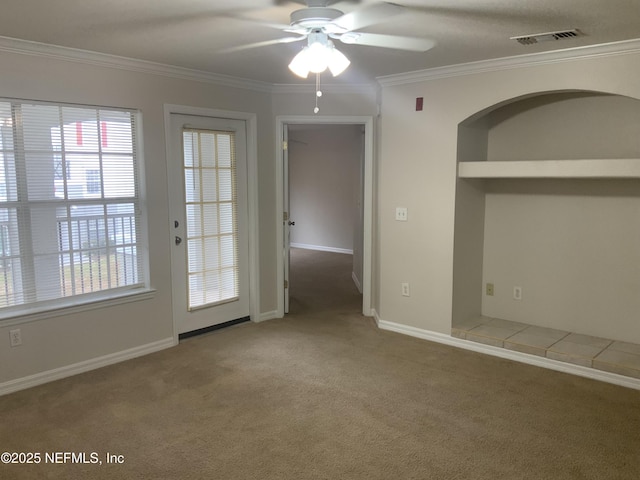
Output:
(547, 37)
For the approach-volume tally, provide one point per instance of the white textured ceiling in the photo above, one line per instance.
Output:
(192, 33)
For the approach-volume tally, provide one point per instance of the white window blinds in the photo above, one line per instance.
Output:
(211, 204)
(70, 219)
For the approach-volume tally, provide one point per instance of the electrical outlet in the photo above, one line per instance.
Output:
(401, 214)
(405, 290)
(16, 337)
(489, 289)
(517, 293)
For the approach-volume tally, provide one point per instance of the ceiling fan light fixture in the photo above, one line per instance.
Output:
(317, 56)
(338, 62)
(299, 65)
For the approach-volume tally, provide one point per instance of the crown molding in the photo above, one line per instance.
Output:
(533, 59)
(27, 47)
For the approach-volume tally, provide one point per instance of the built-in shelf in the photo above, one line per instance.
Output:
(608, 168)
(537, 223)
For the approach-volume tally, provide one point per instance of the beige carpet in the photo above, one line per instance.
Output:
(324, 394)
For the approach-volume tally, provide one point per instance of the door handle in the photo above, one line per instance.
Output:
(178, 240)
(292, 223)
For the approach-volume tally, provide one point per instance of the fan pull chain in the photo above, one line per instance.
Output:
(318, 93)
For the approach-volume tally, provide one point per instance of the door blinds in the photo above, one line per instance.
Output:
(211, 219)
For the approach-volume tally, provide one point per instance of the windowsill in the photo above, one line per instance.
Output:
(36, 314)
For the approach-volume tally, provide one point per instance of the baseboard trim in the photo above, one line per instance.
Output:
(543, 362)
(356, 281)
(268, 316)
(376, 317)
(82, 367)
(321, 248)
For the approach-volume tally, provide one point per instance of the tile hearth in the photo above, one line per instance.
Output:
(612, 356)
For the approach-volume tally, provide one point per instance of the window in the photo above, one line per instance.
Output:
(93, 181)
(70, 215)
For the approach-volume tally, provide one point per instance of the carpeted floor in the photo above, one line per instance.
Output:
(324, 394)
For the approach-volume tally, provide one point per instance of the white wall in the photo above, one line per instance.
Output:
(573, 247)
(418, 170)
(566, 126)
(335, 101)
(324, 191)
(59, 342)
(469, 227)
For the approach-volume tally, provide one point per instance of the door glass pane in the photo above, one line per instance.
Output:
(210, 213)
(226, 223)
(226, 187)
(211, 221)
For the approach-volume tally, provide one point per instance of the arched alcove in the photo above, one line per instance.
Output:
(548, 201)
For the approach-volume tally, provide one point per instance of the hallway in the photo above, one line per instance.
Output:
(321, 284)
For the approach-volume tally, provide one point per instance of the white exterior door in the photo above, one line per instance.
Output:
(209, 224)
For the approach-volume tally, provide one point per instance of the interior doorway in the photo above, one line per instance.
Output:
(336, 213)
(326, 166)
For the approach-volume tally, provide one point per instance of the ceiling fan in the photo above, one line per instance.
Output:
(320, 24)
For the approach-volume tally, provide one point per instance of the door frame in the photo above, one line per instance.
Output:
(367, 247)
(251, 121)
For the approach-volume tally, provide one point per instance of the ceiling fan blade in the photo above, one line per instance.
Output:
(413, 44)
(366, 16)
(261, 44)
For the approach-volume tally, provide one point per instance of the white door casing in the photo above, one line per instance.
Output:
(286, 217)
(367, 207)
(243, 128)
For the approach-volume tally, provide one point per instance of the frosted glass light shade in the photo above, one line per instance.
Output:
(299, 64)
(338, 62)
(316, 58)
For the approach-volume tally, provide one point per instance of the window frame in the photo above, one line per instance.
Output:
(78, 302)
